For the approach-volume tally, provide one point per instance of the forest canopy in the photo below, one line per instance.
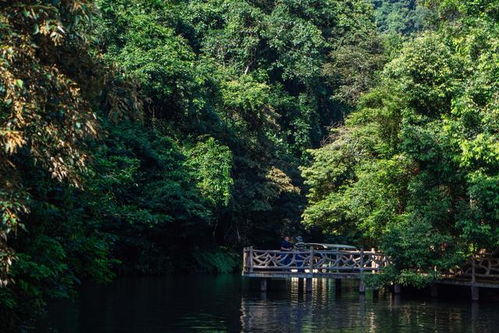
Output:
(135, 132)
(414, 170)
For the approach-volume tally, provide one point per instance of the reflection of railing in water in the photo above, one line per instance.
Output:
(312, 262)
(327, 310)
(289, 311)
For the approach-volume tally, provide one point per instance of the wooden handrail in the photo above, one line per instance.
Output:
(323, 260)
(251, 258)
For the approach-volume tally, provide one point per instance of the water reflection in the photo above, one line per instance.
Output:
(230, 304)
(326, 310)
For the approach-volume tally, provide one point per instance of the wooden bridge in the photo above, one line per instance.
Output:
(481, 272)
(338, 264)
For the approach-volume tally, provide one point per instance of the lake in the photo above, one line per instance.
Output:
(228, 303)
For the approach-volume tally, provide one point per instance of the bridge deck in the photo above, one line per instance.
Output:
(305, 275)
(469, 283)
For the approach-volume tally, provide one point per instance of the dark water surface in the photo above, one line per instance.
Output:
(228, 303)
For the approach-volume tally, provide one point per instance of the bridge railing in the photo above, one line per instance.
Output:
(311, 261)
(483, 266)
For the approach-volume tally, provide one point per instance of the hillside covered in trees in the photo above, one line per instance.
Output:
(414, 169)
(137, 133)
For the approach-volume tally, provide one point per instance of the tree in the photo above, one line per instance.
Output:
(415, 169)
(45, 114)
(203, 110)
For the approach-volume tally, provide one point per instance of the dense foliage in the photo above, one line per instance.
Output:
(400, 16)
(143, 136)
(415, 168)
(148, 136)
(44, 113)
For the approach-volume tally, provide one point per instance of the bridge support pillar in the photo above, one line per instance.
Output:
(396, 289)
(308, 285)
(362, 287)
(337, 285)
(300, 284)
(263, 284)
(434, 290)
(475, 293)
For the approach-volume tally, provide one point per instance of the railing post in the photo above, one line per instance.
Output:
(473, 279)
(362, 286)
(374, 264)
(263, 285)
(396, 289)
(308, 285)
(245, 259)
(311, 260)
(361, 260)
(251, 259)
(433, 290)
(474, 289)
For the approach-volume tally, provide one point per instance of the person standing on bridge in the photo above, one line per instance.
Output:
(300, 258)
(286, 246)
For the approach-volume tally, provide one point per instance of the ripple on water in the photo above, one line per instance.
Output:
(228, 304)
